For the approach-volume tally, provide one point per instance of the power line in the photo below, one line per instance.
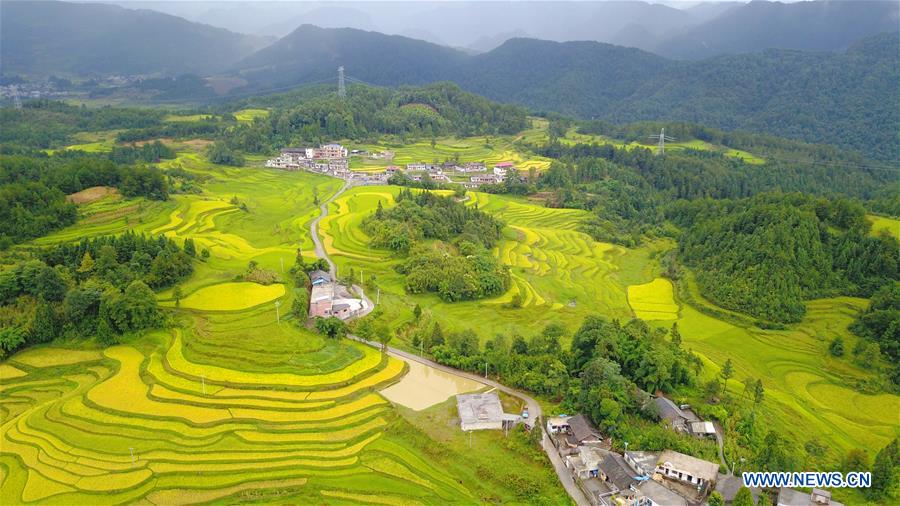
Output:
(342, 87)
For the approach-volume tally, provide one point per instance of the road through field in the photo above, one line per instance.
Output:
(534, 409)
(314, 230)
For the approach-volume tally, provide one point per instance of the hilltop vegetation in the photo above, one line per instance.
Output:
(459, 264)
(426, 112)
(765, 256)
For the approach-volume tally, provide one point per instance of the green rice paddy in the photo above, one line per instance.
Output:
(228, 405)
(563, 275)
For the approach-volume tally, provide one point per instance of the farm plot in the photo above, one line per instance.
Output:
(654, 300)
(232, 296)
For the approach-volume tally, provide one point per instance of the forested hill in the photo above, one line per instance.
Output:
(757, 25)
(849, 99)
(41, 38)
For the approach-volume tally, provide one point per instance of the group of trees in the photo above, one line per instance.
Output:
(879, 326)
(458, 264)
(33, 190)
(766, 255)
(416, 112)
(97, 288)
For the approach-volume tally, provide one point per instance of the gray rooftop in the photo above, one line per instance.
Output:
(699, 468)
(728, 485)
(479, 408)
(582, 429)
(617, 471)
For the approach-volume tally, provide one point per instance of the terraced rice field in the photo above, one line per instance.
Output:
(232, 296)
(248, 115)
(561, 273)
(807, 390)
(228, 405)
(654, 300)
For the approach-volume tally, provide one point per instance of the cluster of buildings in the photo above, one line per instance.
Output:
(681, 418)
(332, 159)
(638, 478)
(329, 298)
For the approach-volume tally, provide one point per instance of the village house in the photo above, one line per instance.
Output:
(584, 464)
(685, 474)
(330, 152)
(318, 277)
(502, 169)
(581, 432)
(473, 167)
(328, 298)
(392, 169)
(486, 179)
(483, 411)
(617, 474)
(818, 497)
(642, 463)
(680, 418)
(416, 167)
(557, 424)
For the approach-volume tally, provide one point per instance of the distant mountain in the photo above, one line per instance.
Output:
(847, 98)
(40, 38)
(311, 53)
(758, 25)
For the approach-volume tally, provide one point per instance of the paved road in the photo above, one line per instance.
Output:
(534, 409)
(314, 230)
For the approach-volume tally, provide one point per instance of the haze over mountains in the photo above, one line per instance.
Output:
(701, 30)
(96, 39)
(846, 96)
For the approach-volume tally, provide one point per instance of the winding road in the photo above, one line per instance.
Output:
(534, 409)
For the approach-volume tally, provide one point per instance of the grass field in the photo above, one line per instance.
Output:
(248, 115)
(228, 406)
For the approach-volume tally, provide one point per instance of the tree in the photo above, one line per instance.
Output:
(676, 336)
(716, 499)
(814, 449)
(884, 471)
(87, 264)
(43, 329)
(384, 335)
(139, 303)
(711, 389)
(189, 247)
(743, 498)
(105, 334)
(176, 294)
(836, 348)
(774, 454)
(856, 460)
(727, 373)
(417, 312)
(758, 392)
(332, 327)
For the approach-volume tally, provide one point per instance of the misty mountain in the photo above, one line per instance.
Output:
(40, 38)
(843, 98)
(311, 53)
(812, 26)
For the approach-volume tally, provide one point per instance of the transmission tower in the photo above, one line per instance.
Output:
(662, 137)
(342, 87)
(16, 101)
